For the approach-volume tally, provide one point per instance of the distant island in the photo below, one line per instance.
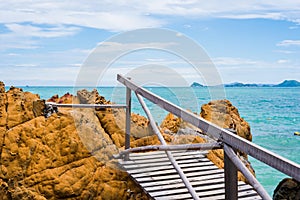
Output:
(195, 84)
(286, 83)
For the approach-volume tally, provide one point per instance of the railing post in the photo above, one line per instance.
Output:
(245, 171)
(231, 182)
(128, 120)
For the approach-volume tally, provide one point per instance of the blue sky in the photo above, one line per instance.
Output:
(45, 42)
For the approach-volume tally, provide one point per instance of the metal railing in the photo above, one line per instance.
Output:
(230, 143)
(225, 139)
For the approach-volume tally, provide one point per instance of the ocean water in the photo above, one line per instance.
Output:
(273, 115)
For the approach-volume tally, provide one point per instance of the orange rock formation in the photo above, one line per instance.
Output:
(225, 115)
(69, 154)
(54, 158)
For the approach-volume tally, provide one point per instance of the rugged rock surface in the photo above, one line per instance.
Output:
(221, 113)
(93, 97)
(288, 189)
(39, 108)
(225, 115)
(69, 154)
(65, 99)
(19, 106)
(171, 123)
(56, 158)
(174, 125)
(113, 120)
(3, 112)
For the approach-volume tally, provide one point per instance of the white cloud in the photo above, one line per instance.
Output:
(275, 16)
(35, 31)
(95, 14)
(13, 54)
(26, 65)
(20, 36)
(293, 27)
(282, 61)
(114, 47)
(38, 60)
(75, 65)
(47, 18)
(230, 69)
(14, 41)
(289, 43)
(262, 72)
(123, 15)
(153, 73)
(233, 61)
(284, 51)
(38, 75)
(187, 26)
(27, 21)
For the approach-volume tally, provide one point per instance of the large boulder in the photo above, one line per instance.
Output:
(113, 120)
(19, 106)
(65, 156)
(288, 189)
(225, 115)
(219, 112)
(86, 97)
(65, 99)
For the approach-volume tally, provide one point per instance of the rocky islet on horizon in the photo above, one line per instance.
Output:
(285, 83)
(54, 158)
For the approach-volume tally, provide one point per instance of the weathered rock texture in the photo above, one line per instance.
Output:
(225, 115)
(69, 154)
(113, 120)
(19, 106)
(67, 98)
(65, 156)
(3, 112)
(288, 189)
(221, 113)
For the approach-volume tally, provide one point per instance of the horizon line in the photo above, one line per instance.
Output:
(223, 84)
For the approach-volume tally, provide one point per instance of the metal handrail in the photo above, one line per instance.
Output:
(229, 139)
(85, 105)
(174, 147)
(276, 161)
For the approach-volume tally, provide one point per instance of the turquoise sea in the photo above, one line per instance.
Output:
(273, 114)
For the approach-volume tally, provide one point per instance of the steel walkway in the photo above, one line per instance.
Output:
(176, 172)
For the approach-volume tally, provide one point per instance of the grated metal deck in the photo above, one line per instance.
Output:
(156, 175)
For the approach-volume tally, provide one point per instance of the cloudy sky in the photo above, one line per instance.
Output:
(45, 42)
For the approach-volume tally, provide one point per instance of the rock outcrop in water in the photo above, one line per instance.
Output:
(287, 189)
(225, 115)
(221, 113)
(69, 154)
(65, 99)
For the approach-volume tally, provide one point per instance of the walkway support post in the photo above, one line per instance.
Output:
(128, 120)
(231, 182)
(240, 166)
